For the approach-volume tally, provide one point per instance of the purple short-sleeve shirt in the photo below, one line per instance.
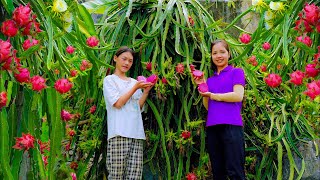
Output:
(220, 112)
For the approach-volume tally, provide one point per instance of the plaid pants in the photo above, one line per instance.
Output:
(124, 158)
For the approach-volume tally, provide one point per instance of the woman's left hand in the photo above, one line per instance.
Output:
(206, 94)
(147, 89)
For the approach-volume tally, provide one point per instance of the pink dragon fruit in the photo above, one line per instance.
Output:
(73, 72)
(22, 15)
(32, 27)
(28, 43)
(311, 70)
(273, 80)
(9, 28)
(313, 89)
(65, 115)
(8, 62)
(38, 83)
(266, 46)
(180, 68)
(23, 76)
(92, 41)
(192, 67)
(245, 38)
(3, 99)
(149, 66)
(5, 50)
(203, 87)
(85, 64)
(70, 49)
(164, 80)
(305, 40)
(25, 142)
(93, 109)
(152, 79)
(63, 85)
(297, 77)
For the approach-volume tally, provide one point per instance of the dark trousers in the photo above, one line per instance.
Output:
(226, 151)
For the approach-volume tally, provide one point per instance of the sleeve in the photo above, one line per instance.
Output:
(138, 94)
(238, 77)
(110, 92)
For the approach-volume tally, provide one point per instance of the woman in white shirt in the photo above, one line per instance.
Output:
(124, 101)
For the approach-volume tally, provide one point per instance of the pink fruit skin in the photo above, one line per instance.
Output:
(70, 49)
(92, 41)
(273, 80)
(65, 115)
(38, 83)
(22, 15)
(23, 76)
(63, 85)
(5, 50)
(152, 79)
(245, 38)
(180, 68)
(3, 99)
(203, 87)
(9, 28)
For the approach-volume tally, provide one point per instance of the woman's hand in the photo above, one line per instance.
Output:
(143, 85)
(147, 89)
(198, 80)
(205, 94)
(212, 96)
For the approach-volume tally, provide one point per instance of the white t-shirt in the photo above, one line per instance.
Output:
(126, 121)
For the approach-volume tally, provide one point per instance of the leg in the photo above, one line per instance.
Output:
(135, 160)
(216, 152)
(117, 154)
(234, 152)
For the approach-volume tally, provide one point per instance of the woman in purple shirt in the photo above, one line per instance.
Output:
(223, 101)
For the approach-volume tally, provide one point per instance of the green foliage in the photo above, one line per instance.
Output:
(164, 33)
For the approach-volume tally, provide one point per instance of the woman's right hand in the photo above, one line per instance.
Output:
(142, 84)
(199, 80)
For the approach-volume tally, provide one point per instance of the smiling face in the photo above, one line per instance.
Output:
(220, 55)
(124, 62)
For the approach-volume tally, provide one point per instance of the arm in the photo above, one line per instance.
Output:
(124, 98)
(144, 96)
(235, 96)
(205, 101)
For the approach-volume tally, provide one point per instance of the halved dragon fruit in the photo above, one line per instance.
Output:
(197, 73)
(142, 78)
(152, 79)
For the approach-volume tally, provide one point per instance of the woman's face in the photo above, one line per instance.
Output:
(220, 55)
(124, 62)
